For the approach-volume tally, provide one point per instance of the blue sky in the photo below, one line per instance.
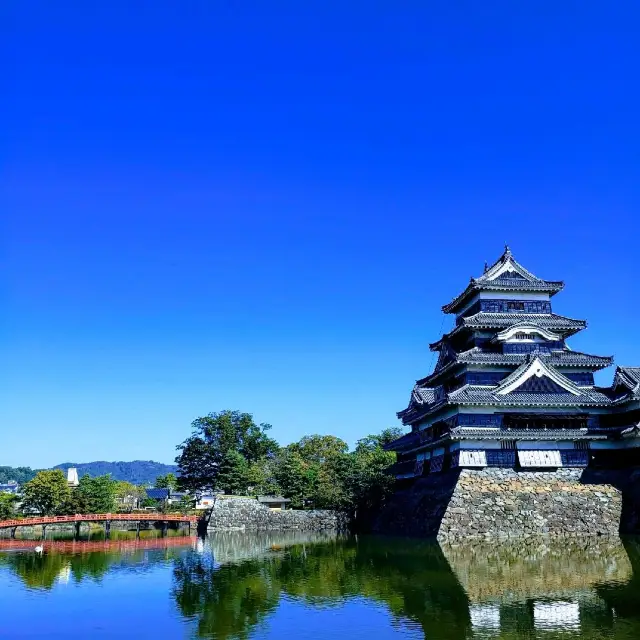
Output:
(263, 206)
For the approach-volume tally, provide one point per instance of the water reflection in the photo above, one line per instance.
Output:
(239, 585)
(539, 589)
(65, 561)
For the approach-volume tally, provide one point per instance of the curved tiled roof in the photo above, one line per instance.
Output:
(512, 276)
(486, 320)
(483, 319)
(628, 377)
(554, 378)
(477, 356)
(470, 394)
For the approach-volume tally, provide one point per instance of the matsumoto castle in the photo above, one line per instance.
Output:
(507, 390)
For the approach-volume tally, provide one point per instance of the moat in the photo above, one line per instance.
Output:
(303, 585)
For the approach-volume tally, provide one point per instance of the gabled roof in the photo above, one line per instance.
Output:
(473, 395)
(476, 356)
(485, 320)
(506, 274)
(629, 379)
(421, 398)
(534, 366)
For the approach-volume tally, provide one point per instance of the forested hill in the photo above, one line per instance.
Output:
(18, 474)
(137, 471)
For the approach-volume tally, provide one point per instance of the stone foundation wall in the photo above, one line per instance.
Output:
(247, 514)
(503, 503)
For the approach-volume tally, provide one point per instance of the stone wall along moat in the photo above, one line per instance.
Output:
(503, 503)
(247, 514)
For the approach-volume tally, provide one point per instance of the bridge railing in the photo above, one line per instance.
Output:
(98, 517)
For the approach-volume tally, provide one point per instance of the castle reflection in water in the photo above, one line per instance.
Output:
(586, 588)
(232, 583)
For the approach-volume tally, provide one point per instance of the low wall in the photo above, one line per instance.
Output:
(247, 514)
(503, 503)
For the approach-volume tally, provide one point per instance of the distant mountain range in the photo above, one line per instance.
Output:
(137, 471)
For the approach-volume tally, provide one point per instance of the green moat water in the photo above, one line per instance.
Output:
(235, 585)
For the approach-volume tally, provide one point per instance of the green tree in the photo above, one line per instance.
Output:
(98, 493)
(368, 483)
(215, 435)
(233, 474)
(128, 495)
(167, 482)
(312, 472)
(74, 504)
(46, 492)
(318, 449)
(8, 505)
(372, 442)
(261, 478)
(296, 478)
(17, 474)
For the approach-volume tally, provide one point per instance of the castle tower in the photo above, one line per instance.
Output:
(508, 391)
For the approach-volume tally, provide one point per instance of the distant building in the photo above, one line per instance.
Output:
(159, 495)
(10, 487)
(177, 496)
(277, 503)
(205, 502)
(72, 477)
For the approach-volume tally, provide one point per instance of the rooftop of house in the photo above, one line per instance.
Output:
(157, 494)
(269, 499)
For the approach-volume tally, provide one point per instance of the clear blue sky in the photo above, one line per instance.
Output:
(262, 206)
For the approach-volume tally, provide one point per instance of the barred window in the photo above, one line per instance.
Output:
(479, 420)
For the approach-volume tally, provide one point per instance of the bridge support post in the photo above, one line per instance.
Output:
(76, 534)
(13, 532)
(165, 524)
(107, 529)
(189, 527)
(138, 530)
(44, 531)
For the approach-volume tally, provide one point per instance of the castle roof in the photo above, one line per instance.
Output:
(557, 358)
(627, 380)
(506, 274)
(485, 320)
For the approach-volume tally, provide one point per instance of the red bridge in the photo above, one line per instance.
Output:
(107, 518)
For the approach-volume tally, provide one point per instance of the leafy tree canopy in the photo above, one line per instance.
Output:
(46, 492)
(7, 505)
(167, 482)
(99, 493)
(213, 437)
(317, 449)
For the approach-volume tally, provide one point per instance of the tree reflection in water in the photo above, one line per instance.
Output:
(412, 579)
(540, 589)
(63, 562)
